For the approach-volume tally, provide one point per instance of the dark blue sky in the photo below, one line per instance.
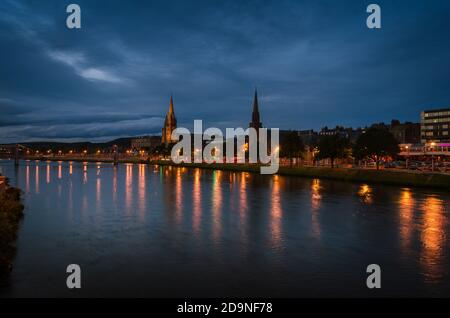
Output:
(315, 63)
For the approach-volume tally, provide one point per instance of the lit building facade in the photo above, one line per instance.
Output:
(142, 143)
(435, 126)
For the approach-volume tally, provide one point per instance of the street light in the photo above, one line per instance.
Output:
(407, 150)
(432, 155)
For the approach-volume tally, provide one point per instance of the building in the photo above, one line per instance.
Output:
(170, 124)
(309, 137)
(141, 143)
(344, 132)
(146, 143)
(406, 133)
(256, 120)
(435, 126)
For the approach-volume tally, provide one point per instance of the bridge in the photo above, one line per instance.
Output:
(13, 151)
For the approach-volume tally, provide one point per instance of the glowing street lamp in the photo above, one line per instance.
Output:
(432, 155)
(407, 150)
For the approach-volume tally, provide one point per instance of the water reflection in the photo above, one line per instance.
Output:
(114, 185)
(37, 179)
(178, 196)
(433, 238)
(98, 191)
(59, 169)
(85, 172)
(48, 172)
(128, 186)
(276, 213)
(142, 190)
(27, 178)
(219, 220)
(217, 204)
(196, 202)
(243, 201)
(365, 193)
(315, 206)
(406, 208)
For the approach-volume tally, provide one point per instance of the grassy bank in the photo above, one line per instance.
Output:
(392, 177)
(11, 211)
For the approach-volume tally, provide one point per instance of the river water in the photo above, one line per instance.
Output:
(141, 230)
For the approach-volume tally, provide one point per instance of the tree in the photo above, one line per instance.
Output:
(332, 147)
(292, 146)
(376, 143)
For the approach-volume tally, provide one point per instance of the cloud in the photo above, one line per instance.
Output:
(314, 63)
(71, 59)
(96, 74)
(79, 64)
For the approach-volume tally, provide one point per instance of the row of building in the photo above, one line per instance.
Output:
(433, 128)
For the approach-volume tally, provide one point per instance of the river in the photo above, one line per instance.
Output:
(149, 231)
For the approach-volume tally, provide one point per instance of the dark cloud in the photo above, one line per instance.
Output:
(314, 63)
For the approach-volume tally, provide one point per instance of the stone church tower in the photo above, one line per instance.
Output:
(169, 125)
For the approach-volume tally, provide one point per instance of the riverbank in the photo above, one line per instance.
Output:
(391, 177)
(385, 176)
(11, 211)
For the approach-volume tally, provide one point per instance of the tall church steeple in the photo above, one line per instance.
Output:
(256, 121)
(170, 123)
(171, 112)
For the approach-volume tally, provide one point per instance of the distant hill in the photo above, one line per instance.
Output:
(122, 143)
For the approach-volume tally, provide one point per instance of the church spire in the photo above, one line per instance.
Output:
(256, 122)
(171, 105)
(170, 124)
(255, 102)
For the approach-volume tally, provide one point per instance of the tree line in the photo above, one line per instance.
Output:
(374, 143)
